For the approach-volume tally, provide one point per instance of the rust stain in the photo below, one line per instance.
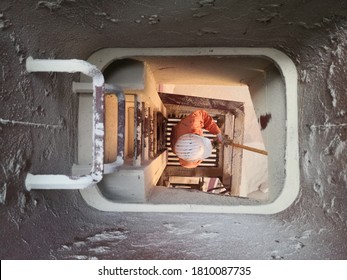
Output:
(264, 120)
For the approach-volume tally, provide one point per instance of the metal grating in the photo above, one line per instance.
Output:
(173, 160)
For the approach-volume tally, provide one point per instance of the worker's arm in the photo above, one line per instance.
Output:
(211, 126)
(208, 122)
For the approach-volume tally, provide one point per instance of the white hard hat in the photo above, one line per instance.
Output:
(193, 147)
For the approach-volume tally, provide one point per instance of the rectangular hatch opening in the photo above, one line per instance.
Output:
(262, 80)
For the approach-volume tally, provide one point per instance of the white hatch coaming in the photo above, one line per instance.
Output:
(288, 177)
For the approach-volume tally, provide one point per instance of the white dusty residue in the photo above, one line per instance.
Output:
(3, 191)
(4, 23)
(324, 144)
(94, 246)
(14, 165)
(19, 48)
(149, 19)
(325, 180)
(304, 76)
(331, 88)
(340, 149)
(107, 16)
(15, 149)
(52, 5)
(335, 72)
(319, 189)
(335, 148)
(25, 123)
(332, 152)
(171, 228)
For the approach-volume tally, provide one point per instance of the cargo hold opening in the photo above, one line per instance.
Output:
(256, 81)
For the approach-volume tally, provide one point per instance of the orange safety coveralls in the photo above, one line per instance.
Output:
(193, 124)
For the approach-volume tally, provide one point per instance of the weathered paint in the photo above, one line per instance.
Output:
(84, 181)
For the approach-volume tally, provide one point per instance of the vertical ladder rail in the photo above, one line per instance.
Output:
(111, 167)
(114, 166)
(137, 131)
(146, 132)
(151, 133)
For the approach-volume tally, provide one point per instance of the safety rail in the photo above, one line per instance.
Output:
(96, 173)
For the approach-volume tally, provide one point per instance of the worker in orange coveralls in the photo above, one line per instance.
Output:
(187, 141)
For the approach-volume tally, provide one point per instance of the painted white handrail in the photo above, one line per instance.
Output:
(96, 173)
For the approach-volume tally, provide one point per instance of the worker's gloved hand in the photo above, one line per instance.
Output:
(220, 138)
